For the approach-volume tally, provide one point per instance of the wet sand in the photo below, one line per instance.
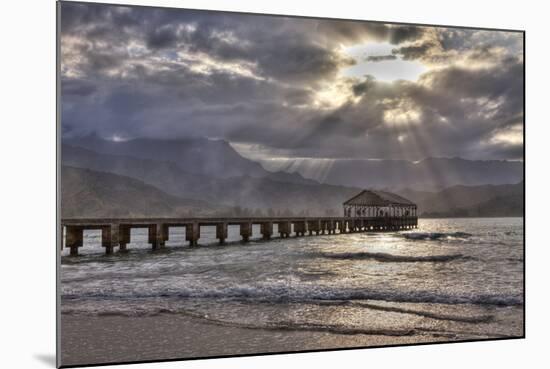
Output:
(110, 339)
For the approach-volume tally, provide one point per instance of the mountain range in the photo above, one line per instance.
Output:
(87, 193)
(470, 201)
(428, 174)
(203, 177)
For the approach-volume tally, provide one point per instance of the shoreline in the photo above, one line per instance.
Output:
(112, 339)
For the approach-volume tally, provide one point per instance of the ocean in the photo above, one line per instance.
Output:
(450, 279)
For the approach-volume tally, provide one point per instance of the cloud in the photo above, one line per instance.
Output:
(400, 34)
(474, 48)
(377, 58)
(162, 37)
(420, 50)
(277, 82)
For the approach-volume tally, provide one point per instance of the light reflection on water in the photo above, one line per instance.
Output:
(461, 277)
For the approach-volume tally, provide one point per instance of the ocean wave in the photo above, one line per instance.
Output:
(282, 325)
(455, 334)
(428, 314)
(283, 292)
(433, 236)
(383, 257)
(291, 326)
(158, 271)
(515, 260)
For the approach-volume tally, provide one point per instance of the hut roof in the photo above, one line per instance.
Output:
(377, 198)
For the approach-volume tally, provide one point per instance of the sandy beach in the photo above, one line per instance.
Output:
(109, 339)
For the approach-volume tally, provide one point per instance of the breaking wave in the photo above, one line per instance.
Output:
(283, 292)
(282, 325)
(433, 236)
(383, 257)
(428, 314)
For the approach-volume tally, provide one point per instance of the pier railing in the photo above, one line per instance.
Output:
(115, 232)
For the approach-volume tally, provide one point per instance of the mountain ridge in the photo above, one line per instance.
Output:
(251, 188)
(427, 174)
(244, 191)
(89, 193)
(215, 158)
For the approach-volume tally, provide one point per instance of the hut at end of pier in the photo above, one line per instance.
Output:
(379, 204)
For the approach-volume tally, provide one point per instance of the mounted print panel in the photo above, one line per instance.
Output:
(245, 184)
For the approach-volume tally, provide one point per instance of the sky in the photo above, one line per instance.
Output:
(281, 87)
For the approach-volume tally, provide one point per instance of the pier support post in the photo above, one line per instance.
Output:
(267, 230)
(330, 227)
(192, 233)
(109, 237)
(124, 237)
(161, 235)
(284, 229)
(339, 225)
(314, 226)
(74, 239)
(323, 226)
(221, 232)
(344, 226)
(246, 231)
(152, 235)
(62, 236)
(300, 228)
(158, 234)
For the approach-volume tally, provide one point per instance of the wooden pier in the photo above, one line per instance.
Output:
(115, 232)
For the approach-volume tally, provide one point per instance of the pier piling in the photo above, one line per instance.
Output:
(124, 235)
(152, 235)
(74, 239)
(299, 228)
(109, 237)
(193, 233)
(266, 228)
(246, 231)
(221, 232)
(284, 229)
(330, 227)
(313, 226)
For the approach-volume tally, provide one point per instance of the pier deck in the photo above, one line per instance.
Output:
(115, 232)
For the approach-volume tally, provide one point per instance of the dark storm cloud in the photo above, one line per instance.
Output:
(280, 48)
(303, 63)
(377, 58)
(338, 31)
(401, 34)
(154, 72)
(75, 15)
(361, 88)
(444, 45)
(161, 37)
(417, 51)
